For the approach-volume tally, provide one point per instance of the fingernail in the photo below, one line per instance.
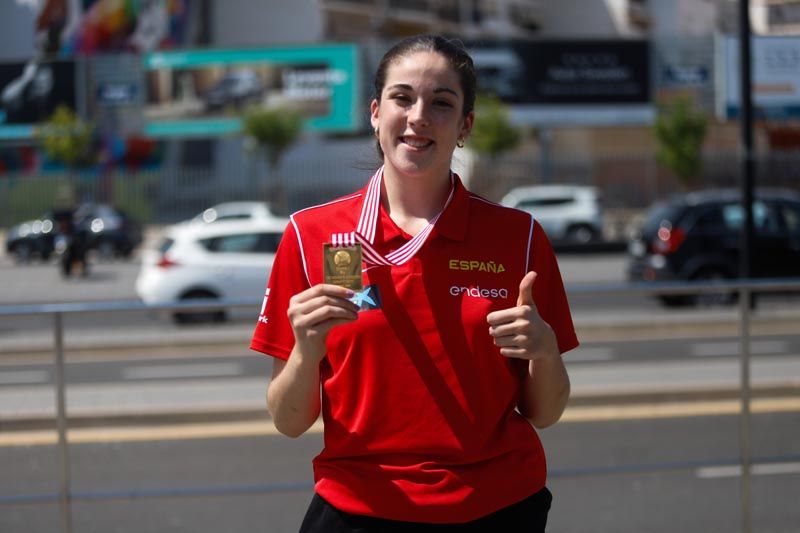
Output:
(350, 293)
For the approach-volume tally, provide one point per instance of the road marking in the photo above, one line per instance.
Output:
(677, 409)
(588, 355)
(20, 377)
(764, 469)
(148, 433)
(181, 371)
(718, 349)
(267, 428)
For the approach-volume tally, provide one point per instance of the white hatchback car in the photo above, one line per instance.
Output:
(224, 260)
(234, 211)
(570, 214)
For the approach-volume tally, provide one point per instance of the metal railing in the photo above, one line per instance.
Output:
(745, 289)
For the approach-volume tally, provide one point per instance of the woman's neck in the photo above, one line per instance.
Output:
(412, 202)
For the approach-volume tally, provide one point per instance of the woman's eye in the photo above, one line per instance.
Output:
(443, 103)
(401, 98)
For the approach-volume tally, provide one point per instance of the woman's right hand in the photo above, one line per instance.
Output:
(313, 312)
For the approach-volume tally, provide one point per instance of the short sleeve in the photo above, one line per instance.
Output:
(273, 333)
(548, 291)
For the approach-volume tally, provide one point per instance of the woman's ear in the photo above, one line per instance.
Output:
(466, 127)
(374, 107)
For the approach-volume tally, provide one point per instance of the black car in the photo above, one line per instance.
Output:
(696, 237)
(110, 232)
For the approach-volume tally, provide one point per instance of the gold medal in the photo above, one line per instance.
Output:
(341, 265)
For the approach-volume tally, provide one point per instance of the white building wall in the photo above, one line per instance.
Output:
(17, 40)
(246, 23)
(577, 18)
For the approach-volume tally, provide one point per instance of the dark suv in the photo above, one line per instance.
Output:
(110, 232)
(696, 237)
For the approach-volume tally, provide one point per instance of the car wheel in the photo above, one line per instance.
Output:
(581, 234)
(713, 299)
(199, 317)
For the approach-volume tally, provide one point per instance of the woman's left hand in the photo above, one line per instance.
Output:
(519, 331)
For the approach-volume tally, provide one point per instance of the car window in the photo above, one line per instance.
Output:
(711, 221)
(268, 242)
(165, 245)
(539, 202)
(253, 243)
(791, 218)
(233, 216)
(765, 218)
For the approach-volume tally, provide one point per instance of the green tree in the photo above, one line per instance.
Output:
(67, 139)
(680, 131)
(274, 130)
(493, 133)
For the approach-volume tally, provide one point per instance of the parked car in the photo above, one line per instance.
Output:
(568, 213)
(111, 233)
(696, 236)
(236, 88)
(234, 211)
(224, 260)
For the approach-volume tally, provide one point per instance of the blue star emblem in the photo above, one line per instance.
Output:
(363, 297)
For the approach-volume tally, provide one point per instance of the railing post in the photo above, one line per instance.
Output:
(744, 417)
(65, 499)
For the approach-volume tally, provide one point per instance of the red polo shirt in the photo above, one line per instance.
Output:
(417, 402)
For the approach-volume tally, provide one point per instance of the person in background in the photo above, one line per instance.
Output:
(433, 369)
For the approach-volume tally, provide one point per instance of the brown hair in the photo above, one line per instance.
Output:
(452, 50)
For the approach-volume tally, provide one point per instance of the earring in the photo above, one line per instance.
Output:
(377, 132)
(460, 143)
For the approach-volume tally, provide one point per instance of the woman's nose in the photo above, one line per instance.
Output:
(418, 114)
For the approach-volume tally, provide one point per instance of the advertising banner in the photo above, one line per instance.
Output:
(775, 74)
(205, 92)
(555, 81)
(30, 92)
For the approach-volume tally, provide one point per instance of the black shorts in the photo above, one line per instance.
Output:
(528, 516)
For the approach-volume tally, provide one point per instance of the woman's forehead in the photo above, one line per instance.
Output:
(423, 68)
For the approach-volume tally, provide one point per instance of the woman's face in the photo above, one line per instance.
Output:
(419, 115)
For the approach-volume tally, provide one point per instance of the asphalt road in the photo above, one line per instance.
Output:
(186, 364)
(624, 474)
(637, 467)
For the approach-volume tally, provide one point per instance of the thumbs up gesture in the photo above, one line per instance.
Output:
(519, 331)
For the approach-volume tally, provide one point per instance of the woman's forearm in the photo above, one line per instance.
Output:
(293, 396)
(546, 390)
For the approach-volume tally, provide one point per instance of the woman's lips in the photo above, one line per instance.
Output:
(416, 142)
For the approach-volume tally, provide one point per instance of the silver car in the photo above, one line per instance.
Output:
(568, 213)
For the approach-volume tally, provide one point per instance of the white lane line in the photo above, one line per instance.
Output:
(586, 355)
(717, 349)
(20, 377)
(181, 371)
(714, 472)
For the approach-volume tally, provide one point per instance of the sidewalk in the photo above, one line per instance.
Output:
(23, 407)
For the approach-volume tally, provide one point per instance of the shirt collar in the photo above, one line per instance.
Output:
(452, 224)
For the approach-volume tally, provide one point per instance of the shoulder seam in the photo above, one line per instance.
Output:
(302, 250)
(530, 242)
(474, 196)
(356, 195)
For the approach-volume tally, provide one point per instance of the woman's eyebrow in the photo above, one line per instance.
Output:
(407, 87)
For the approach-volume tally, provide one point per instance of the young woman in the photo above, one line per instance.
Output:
(434, 374)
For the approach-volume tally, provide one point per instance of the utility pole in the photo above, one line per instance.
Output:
(745, 253)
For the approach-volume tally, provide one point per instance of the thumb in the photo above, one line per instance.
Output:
(526, 289)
